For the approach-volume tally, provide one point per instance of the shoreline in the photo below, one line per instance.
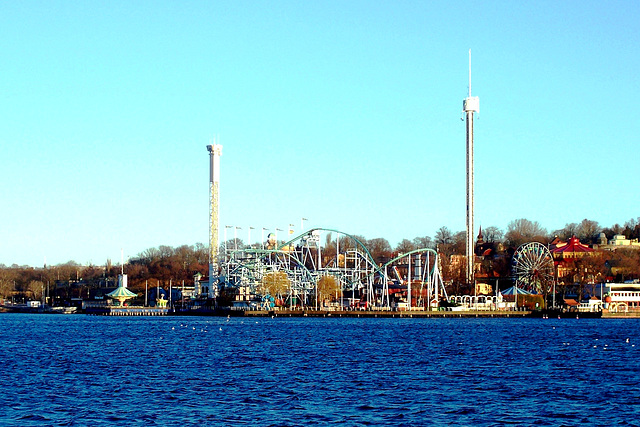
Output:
(227, 312)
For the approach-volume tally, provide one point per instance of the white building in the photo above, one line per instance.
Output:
(620, 240)
(622, 296)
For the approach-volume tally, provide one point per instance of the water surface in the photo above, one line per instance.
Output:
(78, 370)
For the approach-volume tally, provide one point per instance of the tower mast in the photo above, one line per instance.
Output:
(215, 151)
(470, 105)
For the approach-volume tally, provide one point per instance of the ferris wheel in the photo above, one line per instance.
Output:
(532, 267)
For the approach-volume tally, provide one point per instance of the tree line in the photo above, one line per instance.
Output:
(165, 263)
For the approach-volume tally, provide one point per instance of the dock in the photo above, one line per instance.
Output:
(126, 311)
(372, 313)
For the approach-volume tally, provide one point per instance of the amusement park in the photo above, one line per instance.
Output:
(324, 270)
(299, 274)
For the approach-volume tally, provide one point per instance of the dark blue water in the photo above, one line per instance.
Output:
(81, 370)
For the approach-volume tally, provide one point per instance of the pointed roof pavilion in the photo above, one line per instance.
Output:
(571, 249)
(121, 293)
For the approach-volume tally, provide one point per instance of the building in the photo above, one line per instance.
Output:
(621, 296)
(566, 253)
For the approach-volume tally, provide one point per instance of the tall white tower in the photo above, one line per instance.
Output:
(215, 151)
(470, 105)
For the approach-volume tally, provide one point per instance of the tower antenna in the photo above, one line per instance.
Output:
(469, 72)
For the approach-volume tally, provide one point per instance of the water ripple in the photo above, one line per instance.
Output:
(78, 370)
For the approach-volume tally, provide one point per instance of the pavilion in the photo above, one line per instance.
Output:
(121, 293)
(565, 254)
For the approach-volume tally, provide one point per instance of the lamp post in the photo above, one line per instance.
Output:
(302, 220)
(277, 229)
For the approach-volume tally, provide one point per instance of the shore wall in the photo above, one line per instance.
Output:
(126, 311)
(377, 313)
(635, 314)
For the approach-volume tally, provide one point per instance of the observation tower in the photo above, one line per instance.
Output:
(215, 151)
(470, 105)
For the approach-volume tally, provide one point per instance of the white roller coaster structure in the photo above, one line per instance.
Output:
(354, 269)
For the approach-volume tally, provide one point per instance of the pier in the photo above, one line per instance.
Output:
(376, 313)
(126, 311)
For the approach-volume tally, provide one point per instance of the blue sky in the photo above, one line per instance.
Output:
(343, 112)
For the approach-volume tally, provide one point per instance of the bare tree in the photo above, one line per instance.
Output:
(587, 230)
(631, 224)
(567, 232)
(35, 288)
(459, 245)
(632, 228)
(7, 277)
(492, 234)
(444, 236)
(405, 246)
(423, 242)
(201, 252)
(329, 249)
(522, 230)
(165, 251)
(150, 255)
(625, 264)
(379, 248)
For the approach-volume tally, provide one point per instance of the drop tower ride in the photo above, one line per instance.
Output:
(215, 151)
(470, 105)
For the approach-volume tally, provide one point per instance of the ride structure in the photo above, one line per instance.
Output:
(470, 105)
(532, 266)
(291, 274)
(215, 151)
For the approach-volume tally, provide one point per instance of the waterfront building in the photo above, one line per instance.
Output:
(623, 294)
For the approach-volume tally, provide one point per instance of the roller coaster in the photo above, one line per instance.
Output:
(291, 273)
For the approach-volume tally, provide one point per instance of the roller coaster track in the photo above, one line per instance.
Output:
(357, 271)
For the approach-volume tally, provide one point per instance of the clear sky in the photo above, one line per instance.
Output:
(343, 112)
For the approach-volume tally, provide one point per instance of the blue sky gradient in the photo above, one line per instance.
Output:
(345, 113)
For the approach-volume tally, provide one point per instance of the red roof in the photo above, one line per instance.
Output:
(573, 245)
